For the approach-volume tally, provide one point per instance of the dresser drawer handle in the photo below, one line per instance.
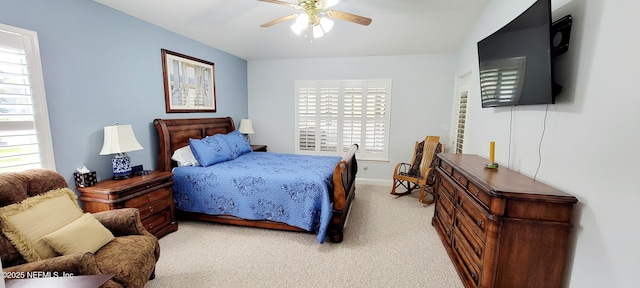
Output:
(150, 209)
(479, 222)
(474, 276)
(477, 250)
(148, 186)
(150, 226)
(460, 203)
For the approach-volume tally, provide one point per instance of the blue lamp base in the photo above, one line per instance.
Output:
(121, 166)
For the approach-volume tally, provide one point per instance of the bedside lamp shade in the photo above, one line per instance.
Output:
(118, 140)
(246, 127)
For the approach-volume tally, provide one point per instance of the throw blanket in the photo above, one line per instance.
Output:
(288, 188)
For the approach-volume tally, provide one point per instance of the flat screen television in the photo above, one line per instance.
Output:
(516, 62)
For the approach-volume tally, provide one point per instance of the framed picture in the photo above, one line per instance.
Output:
(189, 83)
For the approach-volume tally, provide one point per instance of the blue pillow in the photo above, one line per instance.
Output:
(210, 150)
(237, 143)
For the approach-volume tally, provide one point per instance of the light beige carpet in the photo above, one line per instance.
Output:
(389, 242)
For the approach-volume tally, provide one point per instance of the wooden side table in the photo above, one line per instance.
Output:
(152, 194)
(259, 148)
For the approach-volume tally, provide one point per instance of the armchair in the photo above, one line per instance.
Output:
(131, 255)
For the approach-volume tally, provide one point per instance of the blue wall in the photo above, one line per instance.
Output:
(102, 66)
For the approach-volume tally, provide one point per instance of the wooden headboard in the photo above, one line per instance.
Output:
(175, 133)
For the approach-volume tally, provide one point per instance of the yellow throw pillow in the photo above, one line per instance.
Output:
(25, 223)
(86, 234)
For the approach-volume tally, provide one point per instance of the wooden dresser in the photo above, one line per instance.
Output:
(501, 228)
(152, 194)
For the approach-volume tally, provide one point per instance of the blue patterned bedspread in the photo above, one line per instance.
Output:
(288, 188)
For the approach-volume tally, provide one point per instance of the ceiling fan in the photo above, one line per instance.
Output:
(316, 14)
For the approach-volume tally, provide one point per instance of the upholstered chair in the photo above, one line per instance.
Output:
(130, 255)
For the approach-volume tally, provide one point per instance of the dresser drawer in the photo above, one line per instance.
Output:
(471, 240)
(461, 178)
(445, 204)
(153, 207)
(446, 167)
(447, 188)
(445, 224)
(148, 198)
(157, 221)
(471, 270)
(480, 194)
(473, 213)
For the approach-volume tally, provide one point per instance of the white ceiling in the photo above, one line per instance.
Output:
(400, 27)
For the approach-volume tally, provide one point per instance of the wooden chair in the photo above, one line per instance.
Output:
(418, 175)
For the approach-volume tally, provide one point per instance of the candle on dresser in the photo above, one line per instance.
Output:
(492, 151)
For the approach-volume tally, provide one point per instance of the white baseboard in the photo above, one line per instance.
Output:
(377, 182)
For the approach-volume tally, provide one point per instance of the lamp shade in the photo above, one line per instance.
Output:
(119, 139)
(246, 127)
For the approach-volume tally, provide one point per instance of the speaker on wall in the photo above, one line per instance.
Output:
(560, 34)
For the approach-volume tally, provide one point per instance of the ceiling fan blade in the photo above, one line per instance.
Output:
(282, 3)
(349, 17)
(276, 21)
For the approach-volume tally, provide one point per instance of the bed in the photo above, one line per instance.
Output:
(210, 202)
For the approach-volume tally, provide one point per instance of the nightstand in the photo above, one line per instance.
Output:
(152, 194)
(259, 148)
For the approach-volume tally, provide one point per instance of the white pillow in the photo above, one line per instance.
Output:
(185, 157)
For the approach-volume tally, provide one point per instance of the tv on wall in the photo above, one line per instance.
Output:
(516, 62)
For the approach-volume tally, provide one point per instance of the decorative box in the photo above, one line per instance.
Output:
(85, 179)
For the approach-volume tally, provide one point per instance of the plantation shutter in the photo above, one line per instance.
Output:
(333, 115)
(462, 115)
(376, 112)
(25, 140)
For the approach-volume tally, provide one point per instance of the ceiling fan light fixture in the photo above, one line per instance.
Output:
(317, 31)
(326, 24)
(302, 21)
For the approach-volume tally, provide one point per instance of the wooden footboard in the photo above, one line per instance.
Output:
(175, 133)
(344, 189)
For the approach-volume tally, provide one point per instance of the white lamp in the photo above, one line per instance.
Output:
(246, 128)
(118, 140)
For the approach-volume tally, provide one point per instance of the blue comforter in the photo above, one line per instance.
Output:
(288, 188)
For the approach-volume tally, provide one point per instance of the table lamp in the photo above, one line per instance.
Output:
(246, 128)
(118, 140)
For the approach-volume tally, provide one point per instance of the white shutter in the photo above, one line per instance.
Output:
(329, 105)
(462, 116)
(352, 116)
(306, 124)
(25, 140)
(333, 115)
(375, 119)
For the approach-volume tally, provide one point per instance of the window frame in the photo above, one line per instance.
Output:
(38, 96)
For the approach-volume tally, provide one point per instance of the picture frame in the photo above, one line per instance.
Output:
(189, 83)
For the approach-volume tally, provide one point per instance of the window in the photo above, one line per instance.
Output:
(333, 115)
(25, 136)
